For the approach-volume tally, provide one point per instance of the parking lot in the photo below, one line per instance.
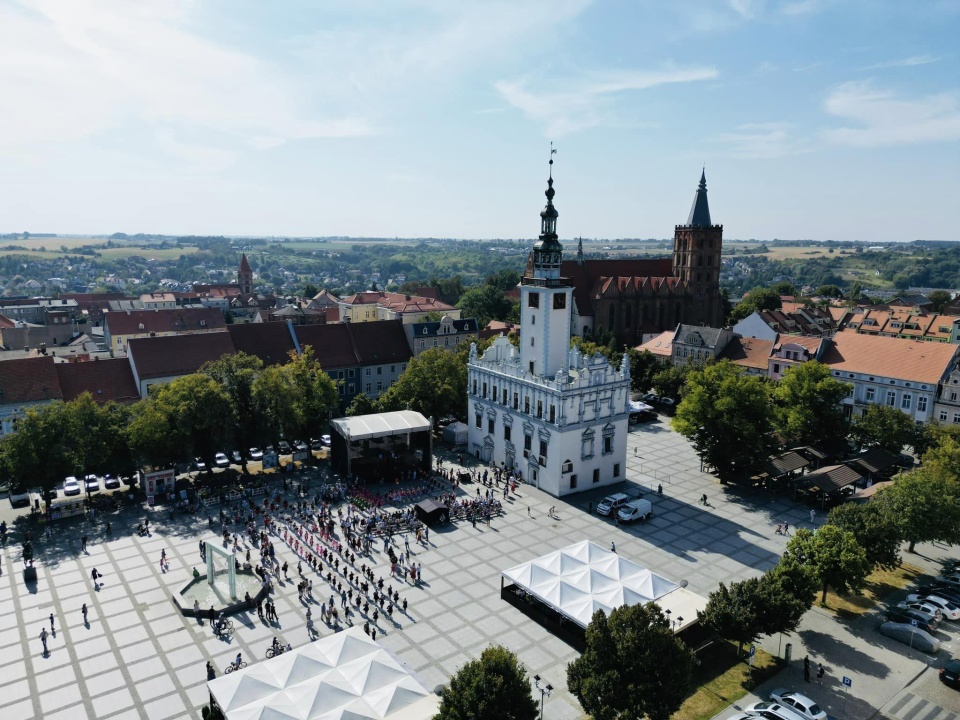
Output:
(139, 658)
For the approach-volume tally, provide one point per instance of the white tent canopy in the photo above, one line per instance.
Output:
(346, 676)
(578, 580)
(363, 427)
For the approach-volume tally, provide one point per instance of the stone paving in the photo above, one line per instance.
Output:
(140, 659)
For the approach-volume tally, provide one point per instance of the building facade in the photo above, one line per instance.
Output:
(544, 409)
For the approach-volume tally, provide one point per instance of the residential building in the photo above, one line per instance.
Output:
(904, 374)
(912, 323)
(637, 299)
(946, 409)
(698, 344)
(544, 410)
(162, 359)
(121, 327)
(661, 346)
(766, 324)
(791, 350)
(379, 305)
(26, 383)
(107, 380)
(751, 354)
(447, 333)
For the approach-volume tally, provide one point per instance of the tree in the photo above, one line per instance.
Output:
(834, 556)
(361, 405)
(484, 303)
(189, 417)
(633, 666)
(735, 612)
(829, 291)
(785, 287)
(877, 530)
(434, 384)
(807, 401)
(789, 589)
(885, 427)
(295, 398)
(236, 373)
(643, 366)
(758, 298)
(494, 687)
(309, 290)
(670, 380)
(927, 504)
(727, 416)
(940, 299)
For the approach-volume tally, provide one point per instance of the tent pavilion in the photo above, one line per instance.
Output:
(578, 580)
(360, 443)
(345, 676)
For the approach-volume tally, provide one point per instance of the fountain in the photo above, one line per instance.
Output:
(224, 587)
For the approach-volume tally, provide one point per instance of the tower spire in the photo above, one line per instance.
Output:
(580, 251)
(700, 211)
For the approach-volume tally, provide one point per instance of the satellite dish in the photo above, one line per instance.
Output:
(684, 583)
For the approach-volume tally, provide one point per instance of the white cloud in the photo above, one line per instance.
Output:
(881, 118)
(912, 61)
(590, 100)
(75, 69)
(760, 141)
(801, 7)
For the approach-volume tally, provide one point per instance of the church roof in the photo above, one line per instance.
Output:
(700, 211)
(244, 265)
(590, 272)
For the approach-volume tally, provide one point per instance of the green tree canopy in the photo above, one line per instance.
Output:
(884, 427)
(926, 502)
(485, 303)
(633, 666)
(295, 399)
(834, 556)
(735, 612)
(434, 384)
(236, 373)
(807, 405)
(829, 291)
(727, 415)
(643, 366)
(940, 299)
(361, 405)
(670, 380)
(758, 298)
(875, 526)
(784, 287)
(494, 687)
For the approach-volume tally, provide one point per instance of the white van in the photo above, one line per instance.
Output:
(612, 503)
(635, 510)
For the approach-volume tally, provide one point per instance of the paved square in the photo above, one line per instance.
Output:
(140, 658)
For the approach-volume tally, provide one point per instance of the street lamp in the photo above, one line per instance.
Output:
(544, 692)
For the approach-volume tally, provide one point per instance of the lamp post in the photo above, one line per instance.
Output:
(544, 692)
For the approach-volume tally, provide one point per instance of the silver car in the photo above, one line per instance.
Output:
(773, 711)
(910, 635)
(800, 704)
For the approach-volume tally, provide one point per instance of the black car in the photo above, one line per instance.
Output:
(925, 621)
(950, 673)
(284, 447)
(235, 457)
(945, 591)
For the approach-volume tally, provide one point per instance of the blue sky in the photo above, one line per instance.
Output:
(408, 118)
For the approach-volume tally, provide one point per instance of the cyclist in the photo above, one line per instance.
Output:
(277, 648)
(237, 662)
(221, 623)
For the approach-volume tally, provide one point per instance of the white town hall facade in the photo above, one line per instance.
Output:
(544, 409)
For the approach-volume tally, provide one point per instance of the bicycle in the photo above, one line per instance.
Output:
(234, 666)
(279, 650)
(226, 628)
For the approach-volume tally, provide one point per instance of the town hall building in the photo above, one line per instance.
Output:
(545, 409)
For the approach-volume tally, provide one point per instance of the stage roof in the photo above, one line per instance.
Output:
(343, 676)
(580, 579)
(363, 427)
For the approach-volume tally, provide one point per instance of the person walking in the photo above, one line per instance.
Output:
(83, 543)
(613, 547)
(53, 630)
(806, 668)
(84, 611)
(43, 639)
(163, 560)
(820, 673)
(813, 515)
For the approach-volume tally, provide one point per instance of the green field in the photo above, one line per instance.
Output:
(52, 247)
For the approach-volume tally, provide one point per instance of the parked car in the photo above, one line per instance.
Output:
(255, 453)
(325, 439)
(299, 446)
(951, 580)
(925, 621)
(910, 635)
(940, 590)
(950, 673)
(800, 704)
(635, 510)
(773, 711)
(316, 444)
(221, 460)
(91, 483)
(650, 397)
(948, 608)
(110, 482)
(19, 497)
(284, 447)
(922, 606)
(71, 486)
(199, 464)
(612, 503)
(668, 401)
(235, 457)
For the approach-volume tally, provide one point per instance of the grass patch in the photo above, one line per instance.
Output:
(880, 585)
(721, 679)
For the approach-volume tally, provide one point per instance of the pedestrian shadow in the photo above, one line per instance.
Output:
(830, 646)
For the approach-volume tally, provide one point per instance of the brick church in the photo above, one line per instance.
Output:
(636, 299)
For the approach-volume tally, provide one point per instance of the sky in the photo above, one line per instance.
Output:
(814, 119)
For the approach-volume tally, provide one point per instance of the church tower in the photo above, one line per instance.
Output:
(245, 276)
(696, 261)
(545, 300)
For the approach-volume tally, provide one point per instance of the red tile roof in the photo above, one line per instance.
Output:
(173, 355)
(128, 322)
(748, 352)
(271, 342)
(29, 380)
(106, 380)
(661, 345)
(591, 272)
(344, 345)
(912, 360)
(332, 344)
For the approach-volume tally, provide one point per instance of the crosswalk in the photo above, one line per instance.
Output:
(911, 707)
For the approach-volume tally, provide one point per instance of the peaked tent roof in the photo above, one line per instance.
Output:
(700, 211)
(345, 676)
(361, 427)
(584, 577)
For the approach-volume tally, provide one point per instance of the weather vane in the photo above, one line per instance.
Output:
(553, 151)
